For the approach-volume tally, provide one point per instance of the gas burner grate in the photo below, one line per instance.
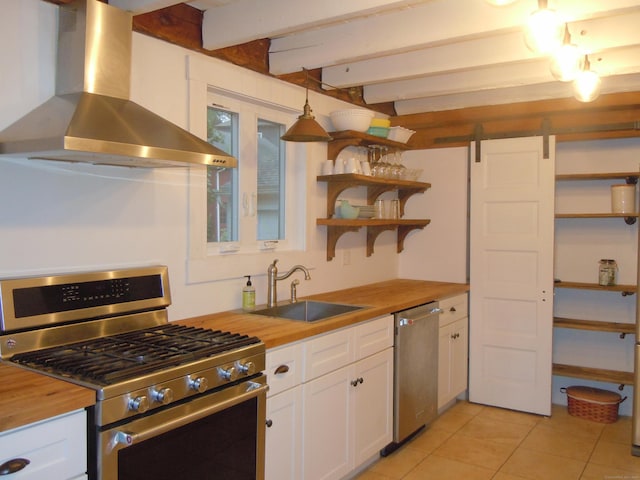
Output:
(108, 360)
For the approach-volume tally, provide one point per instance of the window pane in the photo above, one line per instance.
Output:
(222, 224)
(271, 163)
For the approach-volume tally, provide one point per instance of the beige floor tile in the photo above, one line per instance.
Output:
(440, 468)
(482, 428)
(618, 432)
(615, 455)
(463, 406)
(542, 466)
(511, 416)
(452, 421)
(601, 472)
(485, 453)
(547, 440)
(399, 463)
(371, 475)
(506, 476)
(575, 426)
(429, 440)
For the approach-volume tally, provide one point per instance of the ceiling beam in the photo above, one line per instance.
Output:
(182, 25)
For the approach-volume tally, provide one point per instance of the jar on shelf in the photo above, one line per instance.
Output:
(607, 272)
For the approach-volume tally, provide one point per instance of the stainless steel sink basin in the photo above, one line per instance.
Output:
(307, 310)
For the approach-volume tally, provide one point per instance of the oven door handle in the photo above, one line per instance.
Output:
(123, 438)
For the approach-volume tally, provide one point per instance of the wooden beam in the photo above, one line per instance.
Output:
(182, 25)
(610, 116)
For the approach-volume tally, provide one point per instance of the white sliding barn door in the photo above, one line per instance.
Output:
(511, 274)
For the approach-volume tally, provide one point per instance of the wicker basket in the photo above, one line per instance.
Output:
(593, 404)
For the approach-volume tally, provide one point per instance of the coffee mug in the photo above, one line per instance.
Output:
(338, 167)
(327, 167)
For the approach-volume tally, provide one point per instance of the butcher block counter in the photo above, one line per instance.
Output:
(27, 397)
(378, 298)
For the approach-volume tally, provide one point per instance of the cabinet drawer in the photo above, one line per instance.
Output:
(284, 368)
(56, 448)
(374, 336)
(453, 308)
(328, 352)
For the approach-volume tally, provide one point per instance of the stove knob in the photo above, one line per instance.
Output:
(199, 384)
(163, 396)
(230, 373)
(139, 404)
(248, 368)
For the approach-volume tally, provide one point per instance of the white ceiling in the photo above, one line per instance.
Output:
(424, 55)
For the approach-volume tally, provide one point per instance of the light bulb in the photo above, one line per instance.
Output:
(566, 61)
(544, 30)
(586, 86)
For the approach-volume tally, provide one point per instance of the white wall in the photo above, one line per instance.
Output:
(439, 252)
(59, 217)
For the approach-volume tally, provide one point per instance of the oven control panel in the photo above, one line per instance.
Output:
(179, 383)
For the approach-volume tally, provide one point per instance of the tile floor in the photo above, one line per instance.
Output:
(475, 442)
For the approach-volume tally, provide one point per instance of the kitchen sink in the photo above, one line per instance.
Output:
(307, 310)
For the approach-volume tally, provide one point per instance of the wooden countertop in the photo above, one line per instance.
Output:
(27, 397)
(379, 298)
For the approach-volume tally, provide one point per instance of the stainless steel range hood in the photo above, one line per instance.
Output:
(91, 119)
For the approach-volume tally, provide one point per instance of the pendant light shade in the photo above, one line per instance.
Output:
(586, 86)
(544, 30)
(567, 60)
(306, 129)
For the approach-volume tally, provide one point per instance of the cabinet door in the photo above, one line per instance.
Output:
(283, 452)
(445, 340)
(373, 405)
(459, 358)
(57, 448)
(326, 417)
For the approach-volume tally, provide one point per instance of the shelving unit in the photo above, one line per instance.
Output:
(621, 378)
(376, 186)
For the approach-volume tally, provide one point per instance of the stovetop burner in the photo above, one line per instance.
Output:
(108, 360)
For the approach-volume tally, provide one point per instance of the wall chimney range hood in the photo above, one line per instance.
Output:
(91, 119)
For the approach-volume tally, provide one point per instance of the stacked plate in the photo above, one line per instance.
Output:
(366, 211)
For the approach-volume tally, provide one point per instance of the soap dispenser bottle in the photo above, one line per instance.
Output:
(248, 295)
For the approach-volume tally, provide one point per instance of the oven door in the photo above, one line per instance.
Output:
(216, 435)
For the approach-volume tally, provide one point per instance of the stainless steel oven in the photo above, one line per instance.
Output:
(172, 401)
(220, 435)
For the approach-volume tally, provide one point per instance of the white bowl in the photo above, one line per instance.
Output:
(355, 119)
(400, 134)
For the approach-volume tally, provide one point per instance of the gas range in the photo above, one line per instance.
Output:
(109, 331)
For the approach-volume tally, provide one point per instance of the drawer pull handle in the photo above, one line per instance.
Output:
(452, 309)
(282, 369)
(269, 423)
(13, 466)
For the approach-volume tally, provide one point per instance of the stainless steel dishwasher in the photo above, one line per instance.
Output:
(415, 379)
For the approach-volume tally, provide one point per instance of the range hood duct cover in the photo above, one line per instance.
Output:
(91, 119)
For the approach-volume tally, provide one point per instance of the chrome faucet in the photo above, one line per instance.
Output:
(273, 277)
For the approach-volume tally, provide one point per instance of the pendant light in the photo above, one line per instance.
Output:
(306, 129)
(567, 60)
(544, 30)
(586, 86)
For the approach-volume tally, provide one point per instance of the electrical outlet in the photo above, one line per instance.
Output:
(346, 257)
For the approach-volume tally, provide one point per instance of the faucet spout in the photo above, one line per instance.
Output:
(273, 278)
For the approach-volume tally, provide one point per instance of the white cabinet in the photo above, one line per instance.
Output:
(452, 349)
(283, 443)
(347, 398)
(56, 448)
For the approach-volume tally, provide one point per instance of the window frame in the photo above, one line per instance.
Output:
(203, 265)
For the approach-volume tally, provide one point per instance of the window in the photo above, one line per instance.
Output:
(247, 207)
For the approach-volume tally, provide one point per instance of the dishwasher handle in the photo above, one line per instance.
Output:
(406, 321)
